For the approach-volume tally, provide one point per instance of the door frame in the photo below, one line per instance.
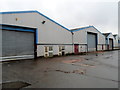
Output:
(75, 48)
(22, 29)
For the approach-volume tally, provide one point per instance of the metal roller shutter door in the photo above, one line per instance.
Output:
(110, 44)
(17, 43)
(91, 40)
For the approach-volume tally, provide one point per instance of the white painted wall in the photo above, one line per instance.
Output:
(116, 42)
(81, 36)
(100, 47)
(112, 37)
(82, 48)
(68, 49)
(48, 33)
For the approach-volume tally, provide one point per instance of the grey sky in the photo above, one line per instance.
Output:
(103, 14)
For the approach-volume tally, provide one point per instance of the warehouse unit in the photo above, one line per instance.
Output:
(116, 41)
(119, 42)
(32, 34)
(88, 39)
(17, 41)
(110, 40)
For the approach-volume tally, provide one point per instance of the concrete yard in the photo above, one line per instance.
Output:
(94, 70)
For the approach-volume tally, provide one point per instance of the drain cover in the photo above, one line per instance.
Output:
(16, 84)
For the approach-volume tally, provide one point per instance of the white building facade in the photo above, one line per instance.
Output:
(30, 34)
(116, 37)
(88, 39)
(35, 33)
(110, 41)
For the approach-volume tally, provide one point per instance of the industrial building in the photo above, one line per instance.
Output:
(110, 40)
(116, 46)
(119, 42)
(30, 34)
(88, 39)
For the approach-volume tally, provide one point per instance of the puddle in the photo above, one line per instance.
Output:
(73, 61)
(63, 71)
(88, 58)
(108, 57)
(17, 85)
(76, 62)
(84, 65)
(79, 71)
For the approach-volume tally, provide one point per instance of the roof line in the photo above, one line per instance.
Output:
(34, 11)
(85, 28)
(108, 34)
(80, 29)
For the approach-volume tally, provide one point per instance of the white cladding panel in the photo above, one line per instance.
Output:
(116, 41)
(47, 33)
(81, 36)
(40, 49)
(112, 37)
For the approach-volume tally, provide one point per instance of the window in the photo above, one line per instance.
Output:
(50, 48)
(61, 48)
(48, 51)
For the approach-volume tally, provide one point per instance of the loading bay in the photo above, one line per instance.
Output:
(93, 70)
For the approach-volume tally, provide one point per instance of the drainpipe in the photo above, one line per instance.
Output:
(72, 42)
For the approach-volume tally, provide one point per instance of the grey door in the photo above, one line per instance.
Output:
(110, 44)
(91, 41)
(17, 43)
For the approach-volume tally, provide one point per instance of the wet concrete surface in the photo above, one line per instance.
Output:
(94, 70)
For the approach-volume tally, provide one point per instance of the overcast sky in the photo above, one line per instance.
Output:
(103, 14)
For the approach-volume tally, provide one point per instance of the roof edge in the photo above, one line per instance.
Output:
(81, 29)
(86, 28)
(34, 11)
(107, 35)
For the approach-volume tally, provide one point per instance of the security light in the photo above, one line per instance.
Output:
(43, 22)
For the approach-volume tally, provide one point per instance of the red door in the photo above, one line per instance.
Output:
(76, 48)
